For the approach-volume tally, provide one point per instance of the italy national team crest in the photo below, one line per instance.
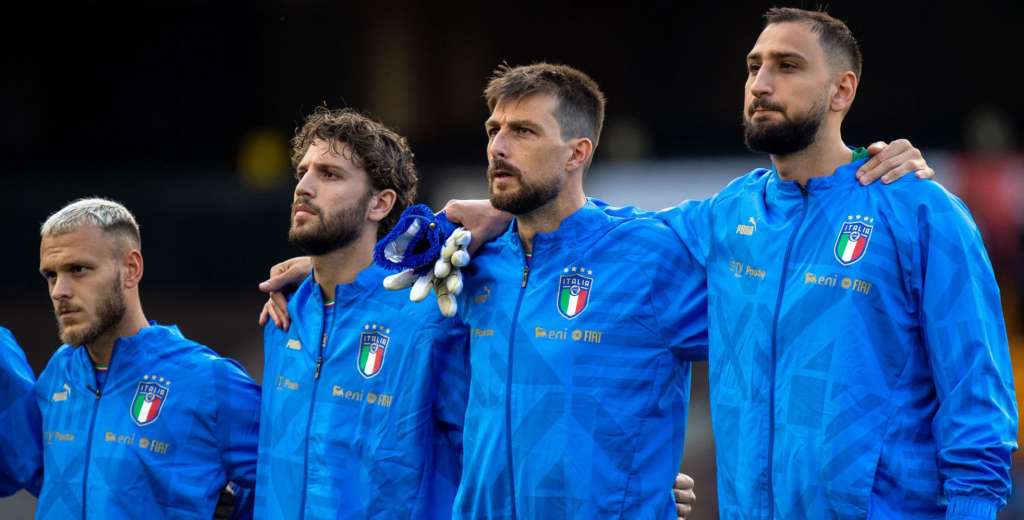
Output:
(574, 291)
(852, 242)
(373, 343)
(149, 399)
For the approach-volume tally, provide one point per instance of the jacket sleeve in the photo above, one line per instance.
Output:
(962, 326)
(21, 461)
(690, 221)
(452, 375)
(677, 294)
(237, 424)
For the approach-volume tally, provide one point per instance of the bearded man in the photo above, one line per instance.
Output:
(137, 419)
(363, 391)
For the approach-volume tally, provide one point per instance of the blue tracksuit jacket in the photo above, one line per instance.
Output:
(580, 370)
(173, 423)
(859, 364)
(21, 451)
(362, 406)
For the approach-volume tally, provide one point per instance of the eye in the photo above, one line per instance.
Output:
(492, 131)
(752, 68)
(78, 269)
(523, 131)
(298, 174)
(787, 66)
(49, 275)
(328, 174)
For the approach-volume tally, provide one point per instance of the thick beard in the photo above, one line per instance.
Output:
(527, 198)
(787, 137)
(335, 231)
(109, 313)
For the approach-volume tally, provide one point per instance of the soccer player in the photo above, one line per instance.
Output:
(21, 461)
(137, 419)
(859, 360)
(364, 392)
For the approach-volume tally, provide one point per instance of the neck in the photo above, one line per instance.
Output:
(342, 265)
(102, 348)
(820, 159)
(548, 217)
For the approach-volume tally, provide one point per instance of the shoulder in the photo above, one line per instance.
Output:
(645, 240)
(191, 357)
(57, 363)
(913, 201)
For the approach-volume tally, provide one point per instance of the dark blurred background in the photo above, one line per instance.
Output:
(183, 111)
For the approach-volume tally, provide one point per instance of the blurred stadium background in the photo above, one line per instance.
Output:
(183, 111)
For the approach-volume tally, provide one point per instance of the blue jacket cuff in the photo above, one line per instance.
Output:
(966, 507)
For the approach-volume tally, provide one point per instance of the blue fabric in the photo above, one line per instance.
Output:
(100, 463)
(579, 416)
(423, 247)
(880, 388)
(351, 445)
(21, 450)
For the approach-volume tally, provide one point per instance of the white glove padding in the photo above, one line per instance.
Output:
(399, 281)
(445, 278)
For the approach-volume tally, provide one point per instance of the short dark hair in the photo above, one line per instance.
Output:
(580, 111)
(379, 150)
(835, 37)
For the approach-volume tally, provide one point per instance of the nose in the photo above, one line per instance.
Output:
(306, 186)
(61, 289)
(498, 147)
(761, 84)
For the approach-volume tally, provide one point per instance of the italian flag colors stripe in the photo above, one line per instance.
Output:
(573, 304)
(850, 249)
(143, 410)
(370, 361)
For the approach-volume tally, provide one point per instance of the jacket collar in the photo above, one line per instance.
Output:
(842, 177)
(571, 233)
(127, 351)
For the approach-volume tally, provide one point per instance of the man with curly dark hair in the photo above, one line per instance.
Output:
(363, 392)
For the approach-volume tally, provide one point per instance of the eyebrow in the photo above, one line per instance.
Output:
(491, 123)
(778, 55)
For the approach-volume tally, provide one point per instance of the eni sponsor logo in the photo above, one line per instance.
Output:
(144, 443)
(381, 400)
(483, 333)
(578, 335)
(293, 344)
(834, 280)
(742, 270)
(747, 229)
(287, 384)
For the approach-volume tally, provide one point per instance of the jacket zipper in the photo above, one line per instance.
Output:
(775, 339)
(508, 387)
(92, 427)
(312, 404)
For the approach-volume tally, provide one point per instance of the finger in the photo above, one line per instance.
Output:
(902, 169)
(682, 510)
(873, 150)
(883, 167)
(684, 496)
(926, 173)
(269, 308)
(876, 147)
(264, 314)
(683, 481)
(280, 304)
